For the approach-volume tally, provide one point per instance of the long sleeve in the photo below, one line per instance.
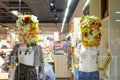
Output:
(104, 58)
(41, 54)
(13, 56)
(38, 56)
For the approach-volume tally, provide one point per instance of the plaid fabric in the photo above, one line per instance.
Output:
(88, 75)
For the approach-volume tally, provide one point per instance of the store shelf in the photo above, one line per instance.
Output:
(61, 69)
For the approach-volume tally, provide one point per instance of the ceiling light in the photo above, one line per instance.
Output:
(117, 12)
(69, 2)
(86, 3)
(14, 12)
(118, 20)
(66, 13)
(56, 18)
(51, 4)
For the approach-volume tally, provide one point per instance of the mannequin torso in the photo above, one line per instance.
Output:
(24, 57)
(88, 59)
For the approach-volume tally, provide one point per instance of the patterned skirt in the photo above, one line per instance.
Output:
(25, 72)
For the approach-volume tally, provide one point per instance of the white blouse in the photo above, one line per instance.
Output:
(88, 59)
(26, 58)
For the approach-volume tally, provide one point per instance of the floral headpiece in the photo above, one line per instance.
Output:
(90, 27)
(28, 24)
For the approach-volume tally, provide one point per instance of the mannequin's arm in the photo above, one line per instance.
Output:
(107, 61)
(77, 55)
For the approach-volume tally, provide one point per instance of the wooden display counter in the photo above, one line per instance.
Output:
(61, 68)
(3, 76)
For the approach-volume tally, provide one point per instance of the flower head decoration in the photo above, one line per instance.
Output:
(28, 25)
(90, 27)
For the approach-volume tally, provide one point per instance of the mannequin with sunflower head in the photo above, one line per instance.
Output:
(91, 33)
(29, 53)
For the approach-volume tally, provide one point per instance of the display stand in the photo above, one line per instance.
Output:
(61, 69)
(3, 76)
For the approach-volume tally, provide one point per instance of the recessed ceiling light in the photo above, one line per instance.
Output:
(51, 4)
(56, 18)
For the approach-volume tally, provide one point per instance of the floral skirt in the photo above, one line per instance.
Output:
(25, 72)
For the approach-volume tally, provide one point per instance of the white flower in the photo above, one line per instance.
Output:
(34, 18)
(20, 22)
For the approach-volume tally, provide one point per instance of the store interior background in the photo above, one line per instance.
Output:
(111, 27)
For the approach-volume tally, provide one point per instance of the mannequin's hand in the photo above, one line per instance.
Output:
(106, 63)
(41, 68)
(100, 68)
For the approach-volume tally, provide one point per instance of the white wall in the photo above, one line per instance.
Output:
(114, 37)
(95, 8)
